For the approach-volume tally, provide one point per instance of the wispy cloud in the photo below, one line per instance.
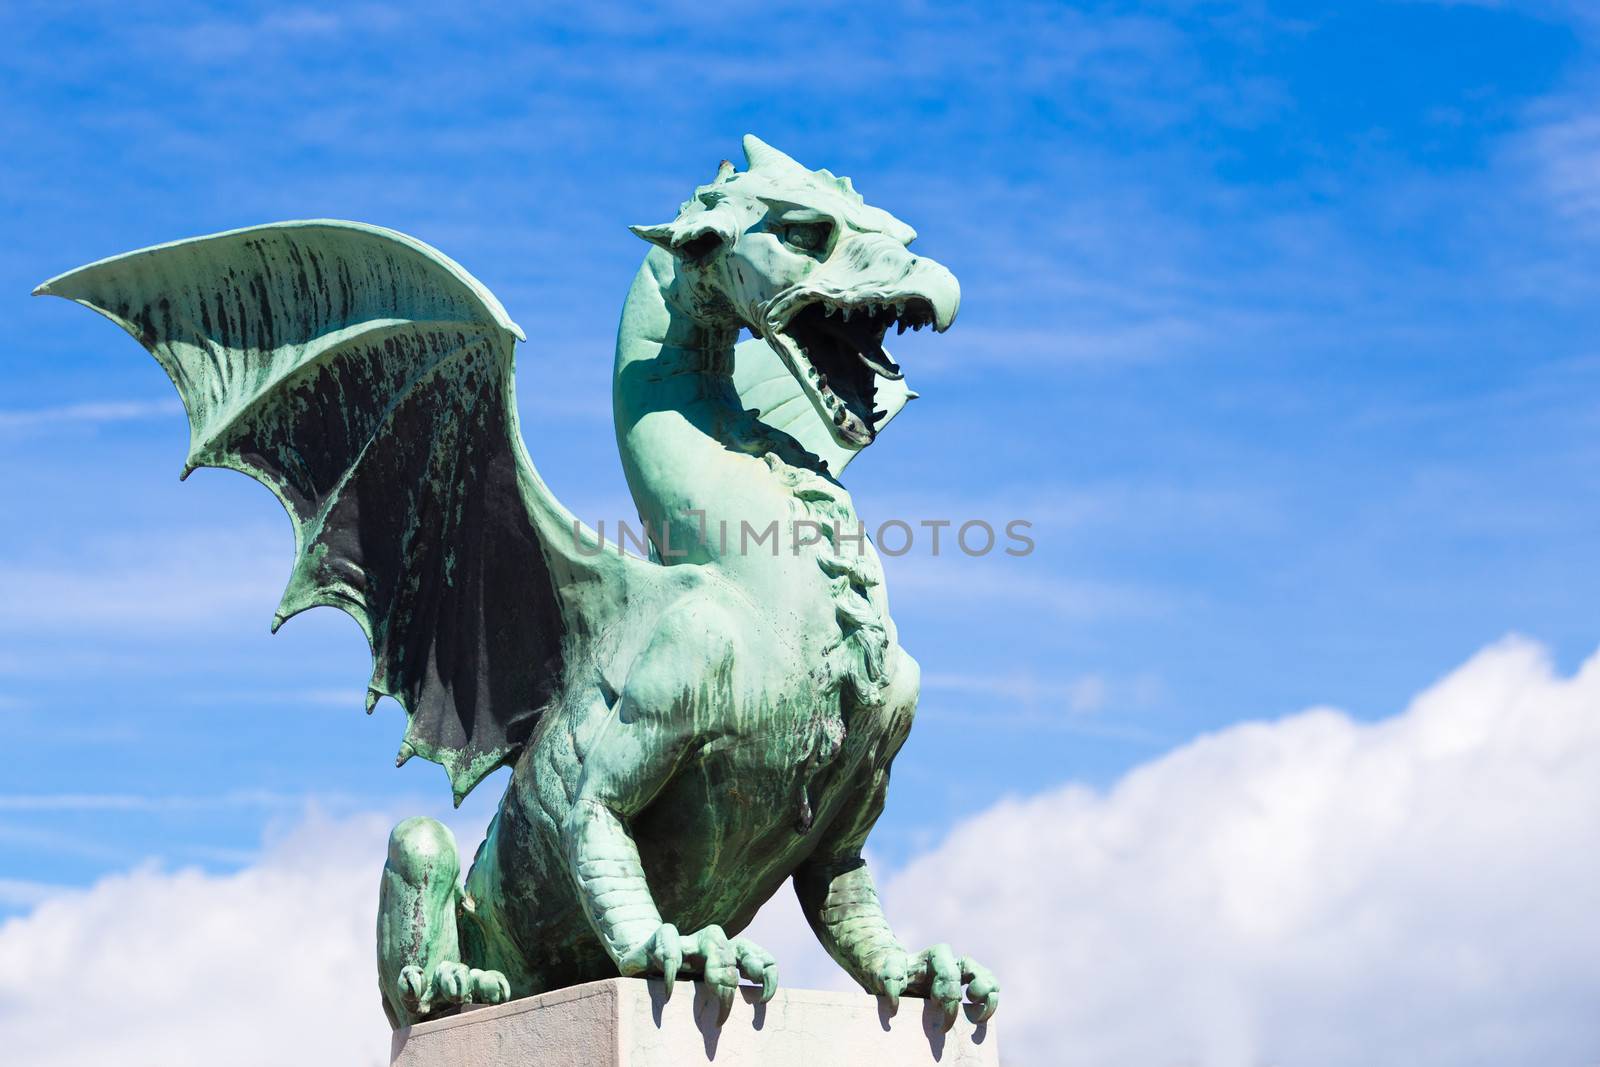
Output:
(1086, 693)
(1078, 696)
(46, 841)
(17, 893)
(1041, 724)
(1075, 706)
(156, 581)
(353, 697)
(87, 413)
(1565, 152)
(218, 41)
(134, 802)
(1022, 586)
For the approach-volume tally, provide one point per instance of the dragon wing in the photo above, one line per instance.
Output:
(367, 380)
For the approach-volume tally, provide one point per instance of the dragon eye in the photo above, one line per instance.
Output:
(807, 236)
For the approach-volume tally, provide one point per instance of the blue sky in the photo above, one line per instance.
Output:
(1278, 324)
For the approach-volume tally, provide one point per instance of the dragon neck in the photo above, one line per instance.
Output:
(701, 466)
(695, 459)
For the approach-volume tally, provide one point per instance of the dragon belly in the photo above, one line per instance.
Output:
(726, 833)
(746, 813)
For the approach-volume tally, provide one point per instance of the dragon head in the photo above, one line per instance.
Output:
(801, 260)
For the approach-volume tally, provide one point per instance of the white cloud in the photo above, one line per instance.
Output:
(271, 965)
(1314, 890)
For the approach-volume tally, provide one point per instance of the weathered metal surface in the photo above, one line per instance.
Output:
(686, 733)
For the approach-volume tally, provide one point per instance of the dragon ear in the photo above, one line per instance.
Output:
(696, 235)
(759, 155)
(724, 170)
(686, 241)
(660, 236)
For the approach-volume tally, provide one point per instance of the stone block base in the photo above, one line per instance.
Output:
(627, 1022)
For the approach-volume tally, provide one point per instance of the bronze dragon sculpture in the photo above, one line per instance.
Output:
(687, 731)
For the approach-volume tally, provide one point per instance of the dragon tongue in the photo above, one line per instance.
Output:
(880, 363)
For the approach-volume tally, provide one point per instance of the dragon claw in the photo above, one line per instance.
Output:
(890, 976)
(757, 966)
(452, 983)
(666, 954)
(718, 967)
(983, 990)
(448, 982)
(411, 986)
(490, 987)
(944, 975)
(938, 975)
(710, 955)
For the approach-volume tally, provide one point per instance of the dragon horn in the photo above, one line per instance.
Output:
(759, 155)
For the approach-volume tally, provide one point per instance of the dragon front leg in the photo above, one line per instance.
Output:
(841, 904)
(617, 899)
(637, 747)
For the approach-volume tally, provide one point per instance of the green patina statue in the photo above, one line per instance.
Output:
(685, 732)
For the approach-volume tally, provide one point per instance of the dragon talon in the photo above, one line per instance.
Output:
(411, 986)
(724, 992)
(490, 987)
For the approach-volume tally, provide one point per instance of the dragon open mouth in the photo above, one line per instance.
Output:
(838, 351)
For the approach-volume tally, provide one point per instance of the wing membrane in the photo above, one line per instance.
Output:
(367, 380)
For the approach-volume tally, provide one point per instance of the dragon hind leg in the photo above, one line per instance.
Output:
(420, 970)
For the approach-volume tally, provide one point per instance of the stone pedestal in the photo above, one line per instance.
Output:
(627, 1022)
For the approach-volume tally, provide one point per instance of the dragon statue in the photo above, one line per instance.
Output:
(686, 731)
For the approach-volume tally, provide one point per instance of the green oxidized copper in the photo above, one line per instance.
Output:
(686, 732)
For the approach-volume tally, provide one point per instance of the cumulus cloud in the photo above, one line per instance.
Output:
(1308, 891)
(270, 965)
